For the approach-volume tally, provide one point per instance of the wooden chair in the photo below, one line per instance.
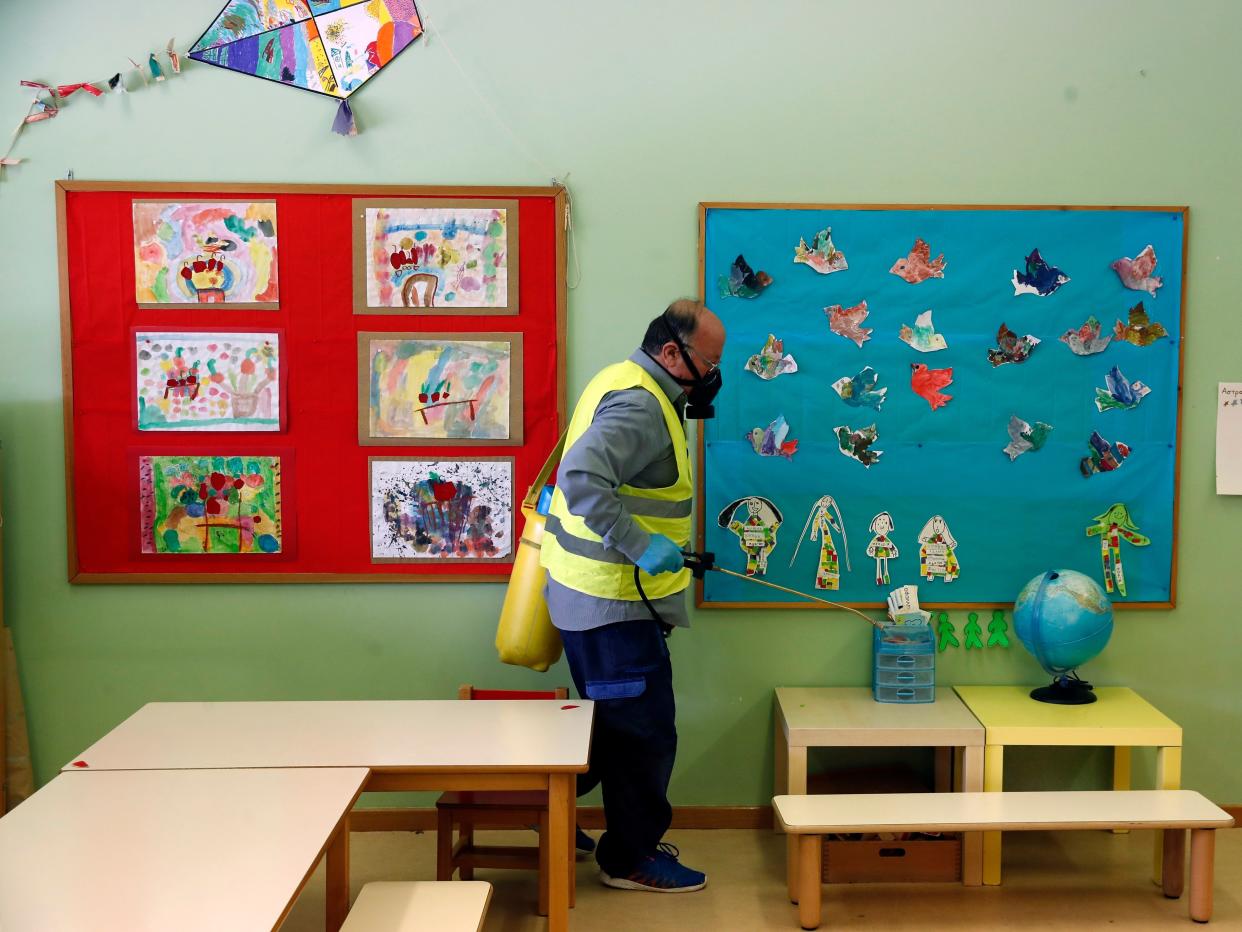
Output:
(494, 809)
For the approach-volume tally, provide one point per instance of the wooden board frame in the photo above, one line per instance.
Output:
(700, 523)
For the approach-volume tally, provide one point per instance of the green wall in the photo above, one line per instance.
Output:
(651, 107)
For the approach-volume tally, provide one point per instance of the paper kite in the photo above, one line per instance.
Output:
(847, 322)
(1023, 438)
(860, 390)
(856, 444)
(824, 518)
(927, 383)
(922, 336)
(1111, 527)
(938, 551)
(881, 548)
(1141, 330)
(771, 441)
(1104, 456)
(743, 281)
(772, 360)
(329, 47)
(1120, 393)
(919, 266)
(1040, 278)
(756, 530)
(1011, 347)
(1135, 273)
(822, 256)
(1086, 340)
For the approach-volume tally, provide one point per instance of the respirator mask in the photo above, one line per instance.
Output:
(701, 390)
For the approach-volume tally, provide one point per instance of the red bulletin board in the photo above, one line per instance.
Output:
(324, 483)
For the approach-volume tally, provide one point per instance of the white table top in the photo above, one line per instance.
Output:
(449, 735)
(420, 906)
(149, 851)
(848, 716)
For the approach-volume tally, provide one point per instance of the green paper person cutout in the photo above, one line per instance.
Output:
(997, 629)
(974, 634)
(948, 637)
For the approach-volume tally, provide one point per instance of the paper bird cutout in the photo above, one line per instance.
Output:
(1112, 527)
(1141, 331)
(847, 322)
(919, 266)
(1086, 340)
(860, 391)
(742, 281)
(1023, 438)
(756, 530)
(1119, 393)
(1104, 457)
(1040, 278)
(1135, 273)
(770, 441)
(772, 360)
(856, 444)
(1011, 347)
(922, 336)
(822, 256)
(928, 382)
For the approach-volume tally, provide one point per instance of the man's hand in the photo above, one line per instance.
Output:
(661, 556)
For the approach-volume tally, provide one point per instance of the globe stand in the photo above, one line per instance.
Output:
(1065, 690)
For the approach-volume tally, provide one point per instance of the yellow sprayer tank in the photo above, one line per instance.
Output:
(525, 636)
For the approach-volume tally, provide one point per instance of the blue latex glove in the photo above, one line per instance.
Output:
(661, 556)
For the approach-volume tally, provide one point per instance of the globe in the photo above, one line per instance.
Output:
(1064, 619)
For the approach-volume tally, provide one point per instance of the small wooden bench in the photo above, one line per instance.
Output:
(420, 906)
(812, 817)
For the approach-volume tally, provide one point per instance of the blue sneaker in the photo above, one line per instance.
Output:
(659, 873)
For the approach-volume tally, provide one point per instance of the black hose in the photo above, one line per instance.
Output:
(665, 627)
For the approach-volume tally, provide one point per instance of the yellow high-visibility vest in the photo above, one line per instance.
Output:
(573, 554)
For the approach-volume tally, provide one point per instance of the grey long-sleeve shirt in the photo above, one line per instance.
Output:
(628, 443)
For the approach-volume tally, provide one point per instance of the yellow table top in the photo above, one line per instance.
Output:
(1120, 717)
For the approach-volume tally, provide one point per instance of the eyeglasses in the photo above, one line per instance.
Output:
(711, 366)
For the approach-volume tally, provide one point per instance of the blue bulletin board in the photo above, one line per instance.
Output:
(1006, 519)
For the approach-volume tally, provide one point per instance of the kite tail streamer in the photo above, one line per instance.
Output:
(344, 124)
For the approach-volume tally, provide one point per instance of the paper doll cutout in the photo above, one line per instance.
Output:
(1023, 438)
(755, 530)
(822, 256)
(1112, 527)
(771, 441)
(922, 336)
(856, 444)
(997, 630)
(938, 551)
(1040, 278)
(743, 281)
(1011, 348)
(1104, 457)
(1120, 393)
(1135, 273)
(927, 383)
(847, 322)
(919, 266)
(946, 632)
(860, 391)
(882, 549)
(1086, 340)
(1141, 330)
(823, 519)
(772, 360)
(972, 632)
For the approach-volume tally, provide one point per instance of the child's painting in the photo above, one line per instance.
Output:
(210, 252)
(207, 381)
(446, 509)
(433, 388)
(435, 257)
(210, 504)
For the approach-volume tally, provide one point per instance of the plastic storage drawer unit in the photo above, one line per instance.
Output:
(905, 664)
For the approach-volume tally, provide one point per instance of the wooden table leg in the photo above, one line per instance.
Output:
(993, 782)
(944, 769)
(1168, 777)
(573, 843)
(337, 879)
(811, 880)
(795, 785)
(543, 863)
(1202, 869)
(560, 801)
(1174, 872)
(972, 842)
(1121, 776)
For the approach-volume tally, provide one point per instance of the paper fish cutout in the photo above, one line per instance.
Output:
(1040, 278)
(1011, 347)
(1023, 438)
(847, 322)
(771, 361)
(1140, 331)
(922, 336)
(1119, 392)
(743, 281)
(856, 444)
(755, 529)
(1104, 456)
(823, 519)
(1112, 527)
(860, 391)
(919, 266)
(822, 256)
(770, 441)
(1086, 340)
(1135, 273)
(881, 547)
(928, 382)
(938, 551)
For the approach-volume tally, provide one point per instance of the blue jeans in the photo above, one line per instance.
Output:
(624, 667)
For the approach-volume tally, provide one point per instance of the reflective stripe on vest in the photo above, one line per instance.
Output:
(577, 557)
